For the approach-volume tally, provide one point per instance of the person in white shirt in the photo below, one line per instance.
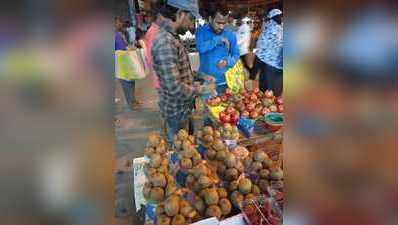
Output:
(243, 36)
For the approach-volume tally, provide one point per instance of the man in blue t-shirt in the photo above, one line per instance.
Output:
(217, 47)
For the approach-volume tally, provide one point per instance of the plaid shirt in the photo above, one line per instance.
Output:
(172, 66)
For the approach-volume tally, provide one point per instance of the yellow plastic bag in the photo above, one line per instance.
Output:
(236, 77)
(214, 111)
(128, 65)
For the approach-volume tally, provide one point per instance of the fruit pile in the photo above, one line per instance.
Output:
(187, 154)
(263, 170)
(209, 137)
(248, 103)
(262, 211)
(243, 190)
(227, 97)
(229, 132)
(176, 211)
(229, 116)
(160, 184)
(210, 200)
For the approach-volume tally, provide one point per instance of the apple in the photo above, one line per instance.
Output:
(253, 97)
(246, 114)
(225, 118)
(230, 109)
(256, 90)
(217, 100)
(250, 107)
(279, 101)
(265, 111)
(234, 118)
(273, 108)
(253, 115)
(280, 108)
(224, 98)
(223, 113)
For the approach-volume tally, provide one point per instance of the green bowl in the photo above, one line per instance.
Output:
(273, 118)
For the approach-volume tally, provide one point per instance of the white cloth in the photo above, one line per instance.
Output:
(243, 37)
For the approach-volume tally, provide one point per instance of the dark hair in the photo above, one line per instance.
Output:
(161, 7)
(216, 8)
(128, 23)
(139, 34)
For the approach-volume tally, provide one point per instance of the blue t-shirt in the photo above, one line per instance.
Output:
(211, 50)
(120, 43)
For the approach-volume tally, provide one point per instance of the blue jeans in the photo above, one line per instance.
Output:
(128, 90)
(173, 125)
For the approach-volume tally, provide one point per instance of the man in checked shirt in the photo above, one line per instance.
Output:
(171, 64)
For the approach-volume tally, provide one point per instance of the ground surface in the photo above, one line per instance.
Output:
(131, 132)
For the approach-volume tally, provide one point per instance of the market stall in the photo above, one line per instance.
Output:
(230, 171)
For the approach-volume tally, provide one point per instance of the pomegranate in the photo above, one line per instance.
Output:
(265, 111)
(280, 108)
(279, 101)
(253, 115)
(246, 114)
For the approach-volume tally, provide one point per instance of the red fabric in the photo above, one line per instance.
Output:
(148, 39)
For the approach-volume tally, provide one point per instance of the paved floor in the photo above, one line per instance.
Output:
(131, 133)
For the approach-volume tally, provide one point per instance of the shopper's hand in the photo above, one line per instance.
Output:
(222, 64)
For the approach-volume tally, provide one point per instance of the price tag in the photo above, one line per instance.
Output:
(232, 144)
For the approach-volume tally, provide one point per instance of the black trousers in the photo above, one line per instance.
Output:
(271, 78)
(242, 58)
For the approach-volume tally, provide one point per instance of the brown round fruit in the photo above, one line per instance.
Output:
(158, 180)
(214, 211)
(256, 190)
(260, 155)
(231, 174)
(222, 193)
(245, 186)
(225, 206)
(172, 205)
(264, 174)
(221, 155)
(256, 166)
(233, 186)
(186, 164)
(163, 220)
(276, 173)
(178, 220)
(208, 130)
(230, 160)
(211, 196)
(200, 205)
(263, 184)
(182, 134)
(156, 161)
(205, 181)
(156, 194)
(211, 154)
(160, 209)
